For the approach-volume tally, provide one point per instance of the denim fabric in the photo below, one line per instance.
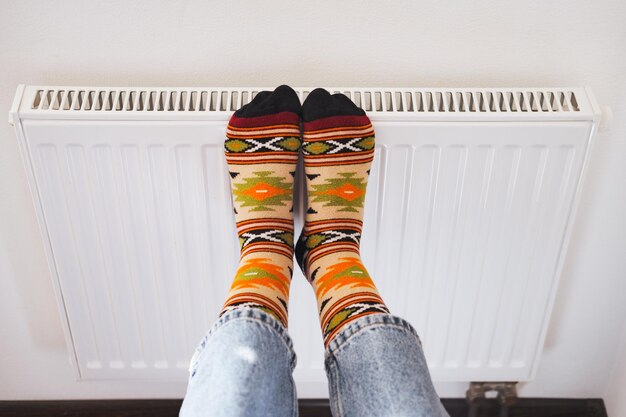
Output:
(375, 367)
(242, 368)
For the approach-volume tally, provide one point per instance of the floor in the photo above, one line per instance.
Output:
(527, 407)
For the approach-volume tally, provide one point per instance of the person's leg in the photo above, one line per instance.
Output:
(376, 368)
(243, 367)
(374, 361)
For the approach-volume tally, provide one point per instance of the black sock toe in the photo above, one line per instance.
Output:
(320, 103)
(282, 99)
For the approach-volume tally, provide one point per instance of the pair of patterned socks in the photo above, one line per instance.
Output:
(262, 148)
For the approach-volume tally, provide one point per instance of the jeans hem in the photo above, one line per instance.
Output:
(368, 322)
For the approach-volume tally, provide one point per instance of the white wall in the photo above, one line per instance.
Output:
(321, 43)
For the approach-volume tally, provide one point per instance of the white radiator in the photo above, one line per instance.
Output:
(468, 214)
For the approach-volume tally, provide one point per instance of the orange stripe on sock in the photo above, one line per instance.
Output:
(312, 231)
(245, 129)
(331, 163)
(308, 139)
(333, 221)
(329, 249)
(261, 227)
(287, 254)
(338, 155)
(265, 219)
(261, 161)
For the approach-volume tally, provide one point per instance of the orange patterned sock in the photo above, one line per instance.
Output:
(338, 150)
(262, 148)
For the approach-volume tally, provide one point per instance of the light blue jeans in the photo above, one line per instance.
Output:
(243, 368)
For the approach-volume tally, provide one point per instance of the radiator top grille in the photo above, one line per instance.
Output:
(426, 101)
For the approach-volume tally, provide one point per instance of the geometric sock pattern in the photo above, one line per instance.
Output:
(262, 147)
(338, 149)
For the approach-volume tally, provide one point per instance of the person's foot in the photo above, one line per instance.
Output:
(262, 148)
(338, 150)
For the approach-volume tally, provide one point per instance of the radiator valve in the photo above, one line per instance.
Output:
(506, 391)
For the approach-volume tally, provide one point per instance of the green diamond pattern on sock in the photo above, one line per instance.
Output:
(366, 143)
(290, 144)
(237, 145)
(263, 191)
(317, 148)
(345, 191)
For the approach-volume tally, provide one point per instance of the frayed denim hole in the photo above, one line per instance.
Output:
(269, 326)
(217, 325)
(253, 315)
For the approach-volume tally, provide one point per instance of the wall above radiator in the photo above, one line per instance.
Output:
(468, 215)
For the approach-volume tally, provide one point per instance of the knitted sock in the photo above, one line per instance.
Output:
(338, 151)
(262, 148)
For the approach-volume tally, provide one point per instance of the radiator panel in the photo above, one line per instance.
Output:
(466, 225)
(463, 229)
